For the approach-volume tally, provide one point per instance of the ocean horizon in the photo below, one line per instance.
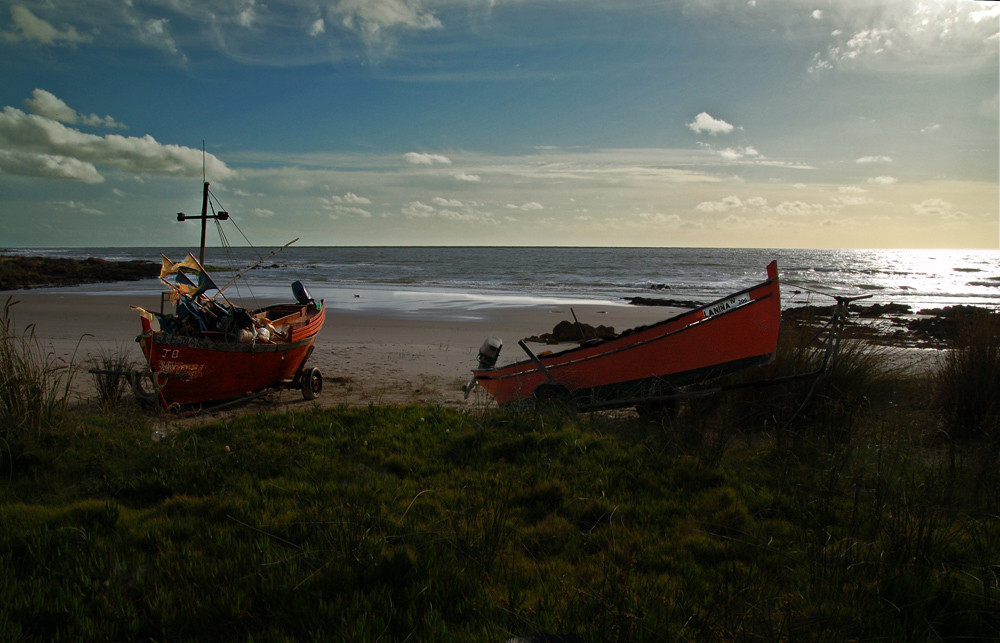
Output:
(426, 278)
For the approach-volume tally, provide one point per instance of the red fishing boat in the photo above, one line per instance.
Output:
(211, 350)
(645, 363)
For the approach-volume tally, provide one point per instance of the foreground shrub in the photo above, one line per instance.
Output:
(818, 411)
(34, 385)
(110, 381)
(968, 381)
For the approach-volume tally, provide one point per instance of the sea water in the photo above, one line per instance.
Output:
(457, 279)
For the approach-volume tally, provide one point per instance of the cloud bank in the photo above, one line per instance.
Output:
(42, 145)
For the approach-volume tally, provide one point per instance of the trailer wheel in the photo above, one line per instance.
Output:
(312, 383)
(144, 387)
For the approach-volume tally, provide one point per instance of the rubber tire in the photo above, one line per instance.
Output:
(146, 397)
(312, 383)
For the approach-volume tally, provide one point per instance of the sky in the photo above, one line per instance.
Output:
(708, 123)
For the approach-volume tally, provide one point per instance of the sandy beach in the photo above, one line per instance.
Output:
(377, 346)
(367, 353)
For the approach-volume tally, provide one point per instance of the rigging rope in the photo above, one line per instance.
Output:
(227, 247)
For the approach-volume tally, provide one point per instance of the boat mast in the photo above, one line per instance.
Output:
(205, 216)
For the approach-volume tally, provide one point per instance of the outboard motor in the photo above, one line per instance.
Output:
(301, 294)
(488, 354)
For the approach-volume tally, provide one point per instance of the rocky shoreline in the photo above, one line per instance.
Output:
(900, 325)
(18, 273)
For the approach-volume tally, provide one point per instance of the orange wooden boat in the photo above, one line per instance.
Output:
(646, 363)
(210, 350)
(196, 369)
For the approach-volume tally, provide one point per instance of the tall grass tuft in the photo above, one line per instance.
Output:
(110, 382)
(34, 385)
(967, 399)
(815, 414)
(967, 392)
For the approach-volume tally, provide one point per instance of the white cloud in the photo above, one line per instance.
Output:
(346, 205)
(417, 210)
(800, 208)
(703, 123)
(909, 36)
(156, 33)
(451, 203)
(318, 27)
(418, 158)
(346, 210)
(847, 200)
(50, 166)
(525, 207)
(83, 208)
(873, 159)
(728, 203)
(246, 13)
(930, 129)
(40, 146)
(29, 27)
(262, 212)
(468, 178)
(350, 197)
(939, 208)
(376, 21)
(738, 153)
(882, 180)
(661, 219)
(452, 210)
(44, 103)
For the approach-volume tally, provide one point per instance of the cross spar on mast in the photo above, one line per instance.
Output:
(222, 215)
(205, 216)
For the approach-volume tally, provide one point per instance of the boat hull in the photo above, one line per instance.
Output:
(192, 370)
(728, 335)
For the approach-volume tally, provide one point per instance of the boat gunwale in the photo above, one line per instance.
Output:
(208, 345)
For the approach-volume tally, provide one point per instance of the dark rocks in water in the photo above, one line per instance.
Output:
(652, 301)
(33, 272)
(567, 331)
(897, 323)
(659, 287)
(867, 312)
(877, 310)
(946, 324)
(956, 312)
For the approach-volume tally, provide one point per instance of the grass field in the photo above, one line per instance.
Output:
(863, 514)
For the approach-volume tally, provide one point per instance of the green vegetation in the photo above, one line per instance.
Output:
(34, 385)
(748, 515)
